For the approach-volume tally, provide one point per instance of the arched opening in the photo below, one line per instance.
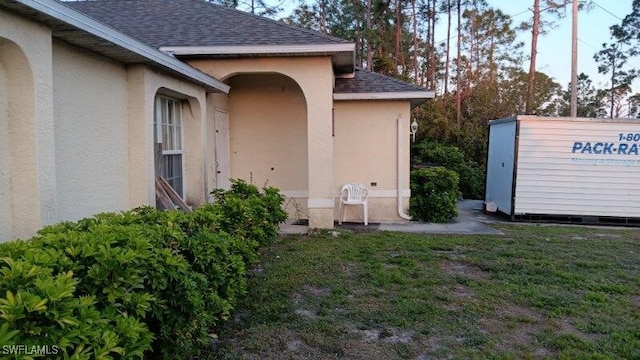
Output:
(19, 210)
(267, 133)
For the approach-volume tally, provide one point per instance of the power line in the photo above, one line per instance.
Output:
(588, 45)
(605, 10)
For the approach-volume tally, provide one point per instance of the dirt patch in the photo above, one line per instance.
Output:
(307, 314)
(516, 327)
(463, 270)
(566, 326)
(387, 335)
(316, 291)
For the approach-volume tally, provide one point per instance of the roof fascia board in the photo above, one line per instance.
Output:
(76, 19)
(259, 49)
(385, 95)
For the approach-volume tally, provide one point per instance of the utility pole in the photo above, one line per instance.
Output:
(574, 60)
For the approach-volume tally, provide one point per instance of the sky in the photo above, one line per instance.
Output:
(554, 48)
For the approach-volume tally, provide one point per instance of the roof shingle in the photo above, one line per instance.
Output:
(164, 23)
(370, 82)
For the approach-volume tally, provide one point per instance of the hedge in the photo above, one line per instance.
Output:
(434, 194)
(471, 175)
(137, 284)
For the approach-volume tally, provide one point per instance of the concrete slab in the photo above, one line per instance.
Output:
(470, 220)
(291, 229)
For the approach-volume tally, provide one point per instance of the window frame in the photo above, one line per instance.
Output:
(167, 111)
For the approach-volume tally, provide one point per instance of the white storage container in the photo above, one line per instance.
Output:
(565, 169)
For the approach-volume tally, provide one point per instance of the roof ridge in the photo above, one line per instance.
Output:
(277, 22)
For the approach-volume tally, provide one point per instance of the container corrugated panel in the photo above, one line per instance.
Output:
(584, 167)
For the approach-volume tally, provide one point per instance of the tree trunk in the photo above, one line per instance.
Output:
(535, 31)
(458, 87)
(613, 78)
(446, 64)
(369, 36)
(397, 56)
(432, 41)
(415, 41)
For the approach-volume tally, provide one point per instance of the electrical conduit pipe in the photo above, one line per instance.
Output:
(401, 132)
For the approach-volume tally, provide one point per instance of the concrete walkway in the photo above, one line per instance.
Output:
(470, 220)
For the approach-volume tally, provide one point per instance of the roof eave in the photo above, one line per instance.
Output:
(342, 54)
(59, 13)
(415, 97)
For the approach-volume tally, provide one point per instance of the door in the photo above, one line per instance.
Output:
(223, 159)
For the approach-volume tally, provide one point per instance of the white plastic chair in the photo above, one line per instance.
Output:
(354, 194)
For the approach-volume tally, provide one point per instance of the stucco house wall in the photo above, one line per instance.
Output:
(143, 86)
(315, 78)
(76, 130)
(27, 164)
(91, 141)
(104, 115)
(269, 137)
(366, 151)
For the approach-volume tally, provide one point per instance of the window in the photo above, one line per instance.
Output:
(168, 139)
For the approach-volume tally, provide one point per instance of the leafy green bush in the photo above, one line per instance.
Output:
(249, 213)
(118, 285)
(434, 194)
(471, 174)
(46, 299)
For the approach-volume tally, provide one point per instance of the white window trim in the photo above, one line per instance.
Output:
(158, 130)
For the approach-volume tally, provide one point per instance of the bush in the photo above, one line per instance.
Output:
(118, 285)
(471, 174)
(46, 296)
(434, 194)
(249, 213)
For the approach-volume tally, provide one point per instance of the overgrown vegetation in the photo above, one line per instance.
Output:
(142, 283)
(560, 292)
(471, 175)
(434, 195)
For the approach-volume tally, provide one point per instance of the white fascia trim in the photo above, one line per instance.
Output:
(258, 49)
(76, 19)
(385, 95)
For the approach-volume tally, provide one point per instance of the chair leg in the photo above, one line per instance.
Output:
(365, 211)
(340, 210)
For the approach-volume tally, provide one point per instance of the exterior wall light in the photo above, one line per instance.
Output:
(413, 130)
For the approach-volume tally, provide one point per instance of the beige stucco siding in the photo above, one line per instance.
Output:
(314, 76)
(268, 130)
(366, 151)
(90, 102)
(143, 86)
(26, 127)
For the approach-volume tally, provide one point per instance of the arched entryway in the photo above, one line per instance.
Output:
(266, 125)
(19, 207)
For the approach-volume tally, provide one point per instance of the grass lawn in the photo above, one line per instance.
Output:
(536, 292)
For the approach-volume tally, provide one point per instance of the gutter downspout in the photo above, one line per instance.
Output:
(401, 212)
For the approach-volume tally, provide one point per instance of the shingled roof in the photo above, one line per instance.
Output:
(193, 25)
(196, 28)
(367, 85)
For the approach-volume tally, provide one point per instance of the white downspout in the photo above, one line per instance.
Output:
(401, 132)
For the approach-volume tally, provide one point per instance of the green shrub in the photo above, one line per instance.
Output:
(249, 213)
(44, 302)
(434, 194)
(471, 183)
(118, 285)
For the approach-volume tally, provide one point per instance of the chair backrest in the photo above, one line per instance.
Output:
(354, 192)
